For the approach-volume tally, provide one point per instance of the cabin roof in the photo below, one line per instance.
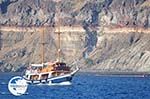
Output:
(37, 65)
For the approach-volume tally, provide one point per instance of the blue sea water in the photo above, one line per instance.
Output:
(85, 86)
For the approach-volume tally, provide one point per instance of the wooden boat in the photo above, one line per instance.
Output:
(50, 72)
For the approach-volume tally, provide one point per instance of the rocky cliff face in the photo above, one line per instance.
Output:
(95, 49)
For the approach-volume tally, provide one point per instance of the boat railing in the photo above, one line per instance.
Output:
(74, 65)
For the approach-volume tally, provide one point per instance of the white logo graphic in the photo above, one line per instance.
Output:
(17, 86)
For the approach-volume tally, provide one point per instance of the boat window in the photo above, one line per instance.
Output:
(34, 77)
(61, 64)
(44, 76)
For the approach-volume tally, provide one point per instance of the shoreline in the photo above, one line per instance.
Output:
(117, 73)
(100, 73)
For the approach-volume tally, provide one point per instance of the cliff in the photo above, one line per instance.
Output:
(110, 35)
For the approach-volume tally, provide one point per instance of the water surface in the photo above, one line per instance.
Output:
(84, 86)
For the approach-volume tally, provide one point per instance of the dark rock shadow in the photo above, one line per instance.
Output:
(92, 24)
(4, 5)
(90, 40)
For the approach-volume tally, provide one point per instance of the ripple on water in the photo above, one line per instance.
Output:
(86, 86)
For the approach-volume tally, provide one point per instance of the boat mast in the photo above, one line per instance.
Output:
(58, 26)
(43, 43)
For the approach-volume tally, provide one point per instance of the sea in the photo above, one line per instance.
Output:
(84, 86)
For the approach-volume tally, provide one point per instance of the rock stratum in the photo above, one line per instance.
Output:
(102, 35)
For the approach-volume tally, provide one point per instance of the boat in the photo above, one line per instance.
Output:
(50, 72)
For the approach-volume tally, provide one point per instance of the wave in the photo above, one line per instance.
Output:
(3, 83)
(60, 84)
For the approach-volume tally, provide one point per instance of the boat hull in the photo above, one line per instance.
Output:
(63, 79)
